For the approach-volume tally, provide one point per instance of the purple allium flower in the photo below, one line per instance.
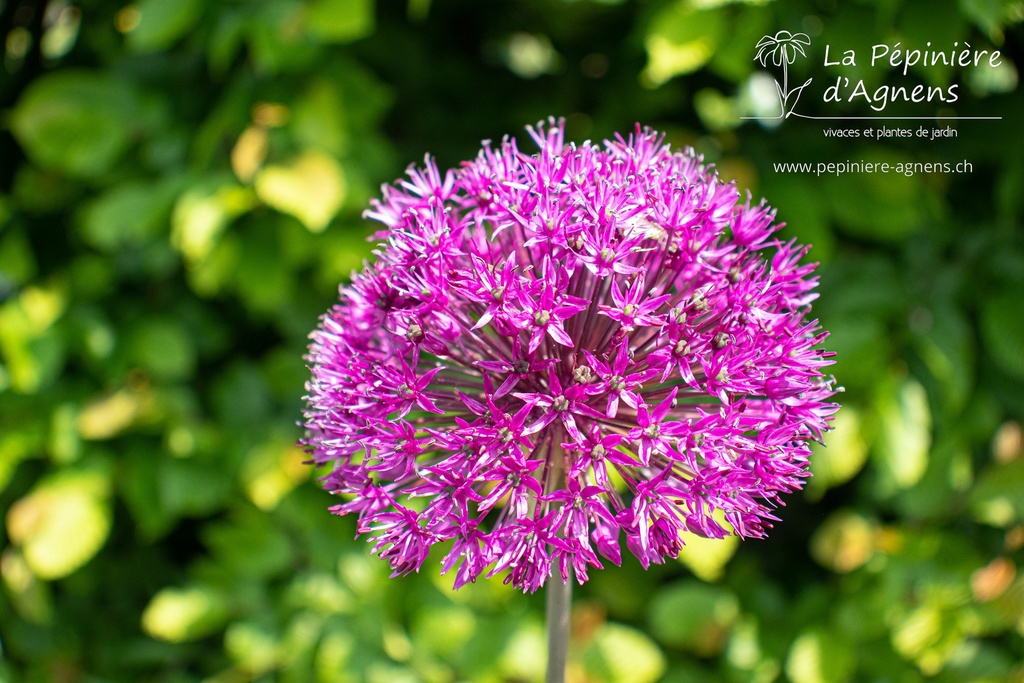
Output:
(553, 353)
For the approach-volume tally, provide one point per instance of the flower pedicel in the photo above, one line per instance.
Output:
(553, 353)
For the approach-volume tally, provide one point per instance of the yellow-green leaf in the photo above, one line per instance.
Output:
(252, 647)
(905, 433)
(312, 189)
(707, 557)
(340, 21)
(202, 214)
(844, 542)
(819, 657)
(620, 654)
(843, 455)
(181, 614)
(63, 522)
(680, 41)
(270, 471)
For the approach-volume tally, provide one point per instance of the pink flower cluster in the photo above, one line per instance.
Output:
(555, 352)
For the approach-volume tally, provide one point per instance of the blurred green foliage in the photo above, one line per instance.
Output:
(181, 184)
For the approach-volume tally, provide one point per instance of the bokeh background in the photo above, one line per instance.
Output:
(181, 188)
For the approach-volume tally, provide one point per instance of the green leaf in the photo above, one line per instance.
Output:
(162, 22)
(92, 277)
(681, 40)
(178, 615)
(334, 656)
(444, 630)
(311, 188)
(226, 39)
(716, 111)
(919, 636)
(79, 122)
(861, 347)
(343, 251)
(694, 616)
(340, 21)
(842, 456)
(252, 647)
(190, 487)
(17, 262)
(804, 211)
(888, 207)
(249, 544)
(163, 347)
(137, 478)
(733, 60)
(1002, 329)
(64, 444)
(950, 472)
(129, 214)
(262, 279)
(707, 557)
(905, 434)
(323, 593)
(523, 657)
(993, 80)
(863, 285)
(29, 345)
(203, 212)
(241, 397)
(988, 15)
(998, 496)
(44, 191)
(31, 598)
(919, 25)
(271, 470)
(320, 120)
(276, 40)
(818, 656)
(17, 445)
(63, 522)
(947, 348)
(216, 270)
(844, 542)
(621, 654)
(745, 651)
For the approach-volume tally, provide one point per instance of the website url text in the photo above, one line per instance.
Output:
(838, 168)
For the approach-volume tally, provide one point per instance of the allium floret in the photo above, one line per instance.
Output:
(553, 353)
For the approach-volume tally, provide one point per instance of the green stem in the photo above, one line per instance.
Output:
(559, 600)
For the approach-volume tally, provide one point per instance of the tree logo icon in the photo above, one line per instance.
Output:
(782, 49)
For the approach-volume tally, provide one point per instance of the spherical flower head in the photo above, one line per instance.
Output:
(555, 353)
